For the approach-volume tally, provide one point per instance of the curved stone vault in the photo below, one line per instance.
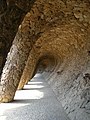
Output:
(53, 39)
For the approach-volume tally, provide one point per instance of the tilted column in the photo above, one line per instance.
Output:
(28, 71)
(14, 67)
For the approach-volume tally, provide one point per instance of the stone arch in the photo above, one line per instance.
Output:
(62, 29)
(69, 45)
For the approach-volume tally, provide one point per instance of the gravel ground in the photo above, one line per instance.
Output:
(35, 102)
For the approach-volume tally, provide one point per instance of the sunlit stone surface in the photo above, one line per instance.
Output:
(53, 40)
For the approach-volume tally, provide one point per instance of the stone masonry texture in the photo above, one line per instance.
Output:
(54, 40)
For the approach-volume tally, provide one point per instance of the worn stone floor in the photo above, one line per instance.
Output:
(35, 102)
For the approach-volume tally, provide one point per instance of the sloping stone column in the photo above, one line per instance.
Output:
(28, 71)
(15, 63)
(13, 69)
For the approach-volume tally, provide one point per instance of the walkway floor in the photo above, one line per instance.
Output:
(35, 102)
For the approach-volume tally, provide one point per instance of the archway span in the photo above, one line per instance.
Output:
(62, 30)
(69, 46)
(45, 63)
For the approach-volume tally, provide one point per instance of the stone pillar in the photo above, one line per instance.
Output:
(14, 67)
(28, 71)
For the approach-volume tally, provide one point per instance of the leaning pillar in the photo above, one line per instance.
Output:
(29, 70)
(14, 67)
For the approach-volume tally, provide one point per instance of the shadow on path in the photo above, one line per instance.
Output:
(35, 102)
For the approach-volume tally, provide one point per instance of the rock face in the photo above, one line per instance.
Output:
(54, 39)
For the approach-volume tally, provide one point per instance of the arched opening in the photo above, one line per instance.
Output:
(45, 63)
(54, 41)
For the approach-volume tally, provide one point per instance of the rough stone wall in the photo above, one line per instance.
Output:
(60, 29)
(69, 77)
